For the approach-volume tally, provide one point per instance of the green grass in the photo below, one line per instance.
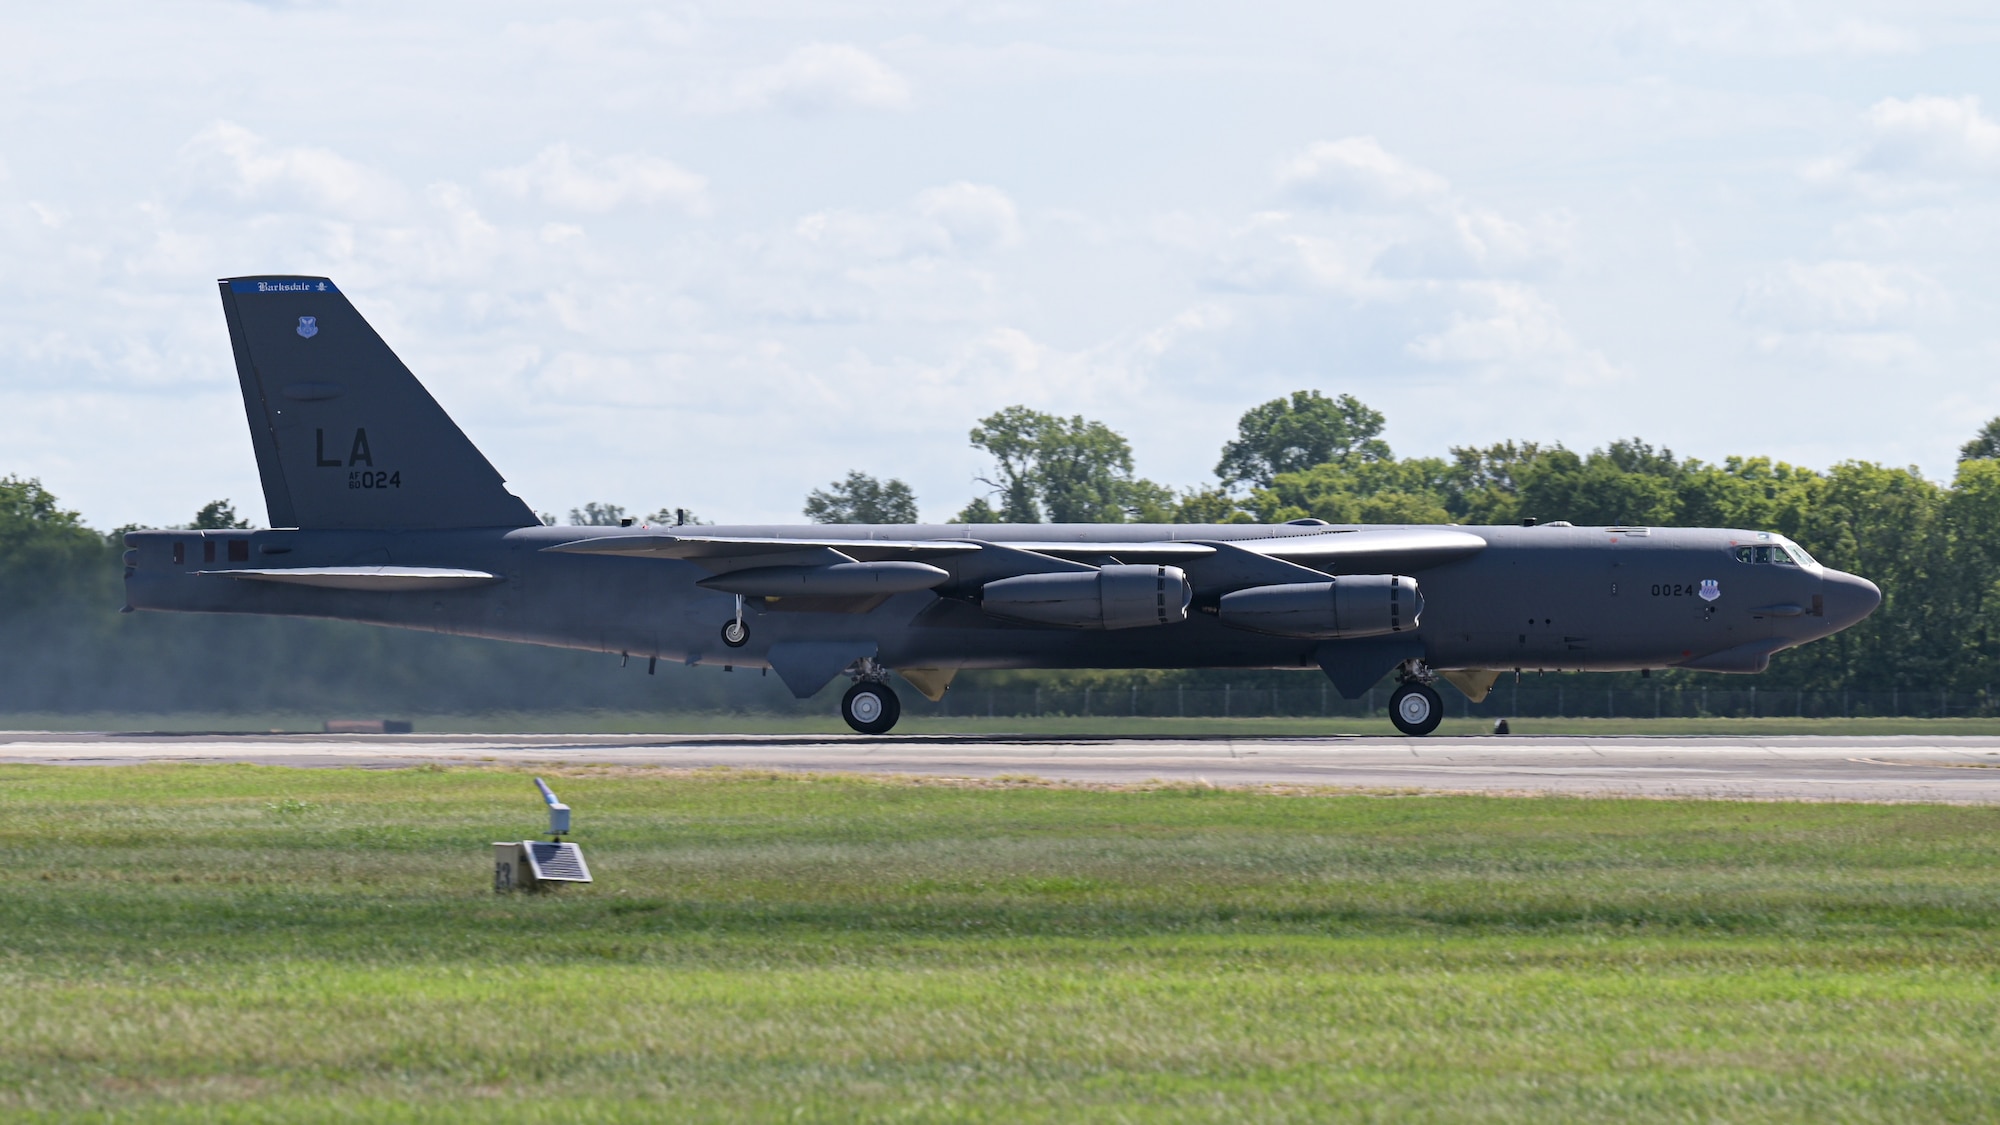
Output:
(699, 722)
(245, 943)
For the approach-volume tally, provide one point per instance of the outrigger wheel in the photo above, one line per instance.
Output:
(871, 707)
(1415, 708)
(735, 633)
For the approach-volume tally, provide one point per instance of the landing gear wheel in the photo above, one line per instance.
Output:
(735, 633)
(871, 707)
(1416, 709)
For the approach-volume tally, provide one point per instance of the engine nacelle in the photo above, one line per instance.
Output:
(1352, 605)
(1112, 597)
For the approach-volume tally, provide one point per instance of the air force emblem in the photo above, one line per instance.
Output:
(308, 326)
(1710, 590)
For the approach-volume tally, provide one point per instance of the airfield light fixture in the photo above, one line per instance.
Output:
(539, 865)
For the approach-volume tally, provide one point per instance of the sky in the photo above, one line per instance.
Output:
(715, 257)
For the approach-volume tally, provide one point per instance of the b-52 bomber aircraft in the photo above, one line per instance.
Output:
(382, 511)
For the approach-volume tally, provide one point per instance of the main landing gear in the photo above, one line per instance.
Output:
(1414, 706)
(871, 706)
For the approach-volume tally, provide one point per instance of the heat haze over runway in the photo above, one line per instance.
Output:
(1961, 770)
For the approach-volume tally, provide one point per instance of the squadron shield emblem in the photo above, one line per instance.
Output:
(308, 326)
(1710, 590)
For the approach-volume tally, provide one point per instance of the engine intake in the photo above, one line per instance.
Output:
(1352, 605)
(1112, 597)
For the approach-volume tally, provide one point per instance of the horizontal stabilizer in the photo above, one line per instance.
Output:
(383, 579)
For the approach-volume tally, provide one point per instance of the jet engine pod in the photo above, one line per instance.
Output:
(1111, 597)
(1352, 605)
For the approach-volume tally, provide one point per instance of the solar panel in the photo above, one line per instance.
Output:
(560, 863)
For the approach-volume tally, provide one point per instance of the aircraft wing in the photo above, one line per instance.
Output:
(723, 547)
(763, 564)
(1387, 549)
(1408, 547)
(1125, 552)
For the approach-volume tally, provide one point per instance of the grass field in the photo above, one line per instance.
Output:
(235, 943)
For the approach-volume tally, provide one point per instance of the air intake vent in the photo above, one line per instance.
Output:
(1636, 532)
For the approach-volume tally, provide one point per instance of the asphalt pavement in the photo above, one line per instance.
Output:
(1964, 770)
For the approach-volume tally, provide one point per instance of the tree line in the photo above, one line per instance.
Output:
(1933, 547)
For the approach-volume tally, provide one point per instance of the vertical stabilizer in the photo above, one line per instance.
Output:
(345, 436)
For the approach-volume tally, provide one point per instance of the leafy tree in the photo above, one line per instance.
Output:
(1888, 524)
(1208, 505)
(1290, 435)
(218, 515)
(1482, 486)
(594, 514)
(1085, 470)
(1971, 515)
(1357, 491)
(862, 499)
(979, 511)
(1073, 469)
(1598, 490)
(46, 552)
(1985, 446)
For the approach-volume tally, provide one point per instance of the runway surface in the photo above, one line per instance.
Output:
(1963, 770)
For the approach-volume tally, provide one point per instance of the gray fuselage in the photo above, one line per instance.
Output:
(1548, 597)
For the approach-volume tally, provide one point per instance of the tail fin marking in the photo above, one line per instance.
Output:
(345, 435)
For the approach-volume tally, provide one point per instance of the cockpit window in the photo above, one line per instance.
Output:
(1775, 554)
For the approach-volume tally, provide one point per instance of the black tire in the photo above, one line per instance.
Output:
(1416, 709)
(739, 631)
(871, 707)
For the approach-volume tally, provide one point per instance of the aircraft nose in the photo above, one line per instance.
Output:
(1849, 598)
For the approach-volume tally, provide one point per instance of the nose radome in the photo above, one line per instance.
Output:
(1849, 598)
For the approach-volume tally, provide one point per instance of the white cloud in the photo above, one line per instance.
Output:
(974, 216)
(1931, 134)
(1274, 252)
(1375, 214)
(1783, 28)
(1842, 294)
(1916, 146)
(1356, 171)
(1854, 350)
(562, 179)
(813, 79)
(956, 218)
(1518, 331)
(1127, 221)
(300, 178)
